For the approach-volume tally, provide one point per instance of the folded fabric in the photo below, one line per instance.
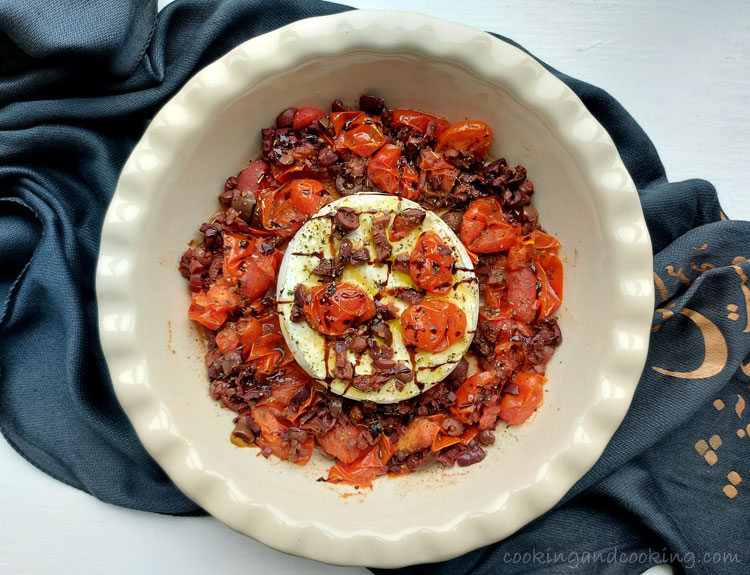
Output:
(79, 84)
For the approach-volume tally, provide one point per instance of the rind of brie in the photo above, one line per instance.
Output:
(308, 345)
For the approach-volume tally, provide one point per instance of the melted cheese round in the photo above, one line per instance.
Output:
(379, 280)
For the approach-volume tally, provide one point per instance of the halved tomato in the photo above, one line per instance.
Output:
(285, 210)
(336, 307)
(484, 229)
(431, 264)
(515, 409)
(470, 138)
(433, 325)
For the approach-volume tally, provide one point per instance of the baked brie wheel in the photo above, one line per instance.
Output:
(377, 298)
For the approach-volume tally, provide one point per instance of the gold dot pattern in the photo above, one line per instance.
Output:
(730, 491)
(701, 447)
(733, 316)
(719, 405)
(740, 433)
(732, 307)
(714, 441)
(734, 478)
(711, 457)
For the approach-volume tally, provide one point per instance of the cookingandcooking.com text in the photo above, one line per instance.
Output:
(548, 556)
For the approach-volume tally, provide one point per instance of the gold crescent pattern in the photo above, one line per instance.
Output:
(661, 287)
(746, 293)
(716, 353)
(745, 367)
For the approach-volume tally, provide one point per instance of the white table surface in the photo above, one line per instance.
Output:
(681, 68)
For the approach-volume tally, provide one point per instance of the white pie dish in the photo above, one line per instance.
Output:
(210, 130)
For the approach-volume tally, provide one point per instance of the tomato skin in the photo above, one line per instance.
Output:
(211, 308)
(464, 407)
(341, 442)
(418, 121)
(268, 353)
(362, 471)
(336, 307)
(228, 339)
(409, 182)
(364, 140)
(382, 169)
(420, 433)
(341, 120)
(515, 409)
(431, 264)
(272, 429)
(303, 117)
(357, 132)
(484, 229)
(284, 210)
(285, 384)
(442, 440)
(436, 165)
(522, 294)
(254, 178)
(245, 258)
(469, 138)
(433, 325)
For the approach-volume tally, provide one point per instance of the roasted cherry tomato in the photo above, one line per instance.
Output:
(286, 384)
(418, 121)
(341, 442)
(241, 333)
(255, 263)
(362, 471)
(272, 436)
(336, 307)
(431, 264)
(420, 433)
(409, 182)
(357, 132)
(254, 178)
(212, 308)
(522, 294)
(515, 409)
(484, 229)
(442, 440)
(382, 169)
(433, 325)
(438, 168)
(470, 138)
(464, 407)
(303, 117)
(285, 209)
(268, 353)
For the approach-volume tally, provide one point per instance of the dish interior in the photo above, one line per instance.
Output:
(226, 142)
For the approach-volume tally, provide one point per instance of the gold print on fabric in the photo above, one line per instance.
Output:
(666, 314)
(745, 292)
(715, 349)
(708, 449)
(678, 274)
(730, 489)
(703, 247)
(662, 289)
(739, 406)
(704, 267)
(745, 367)
(732, 309)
